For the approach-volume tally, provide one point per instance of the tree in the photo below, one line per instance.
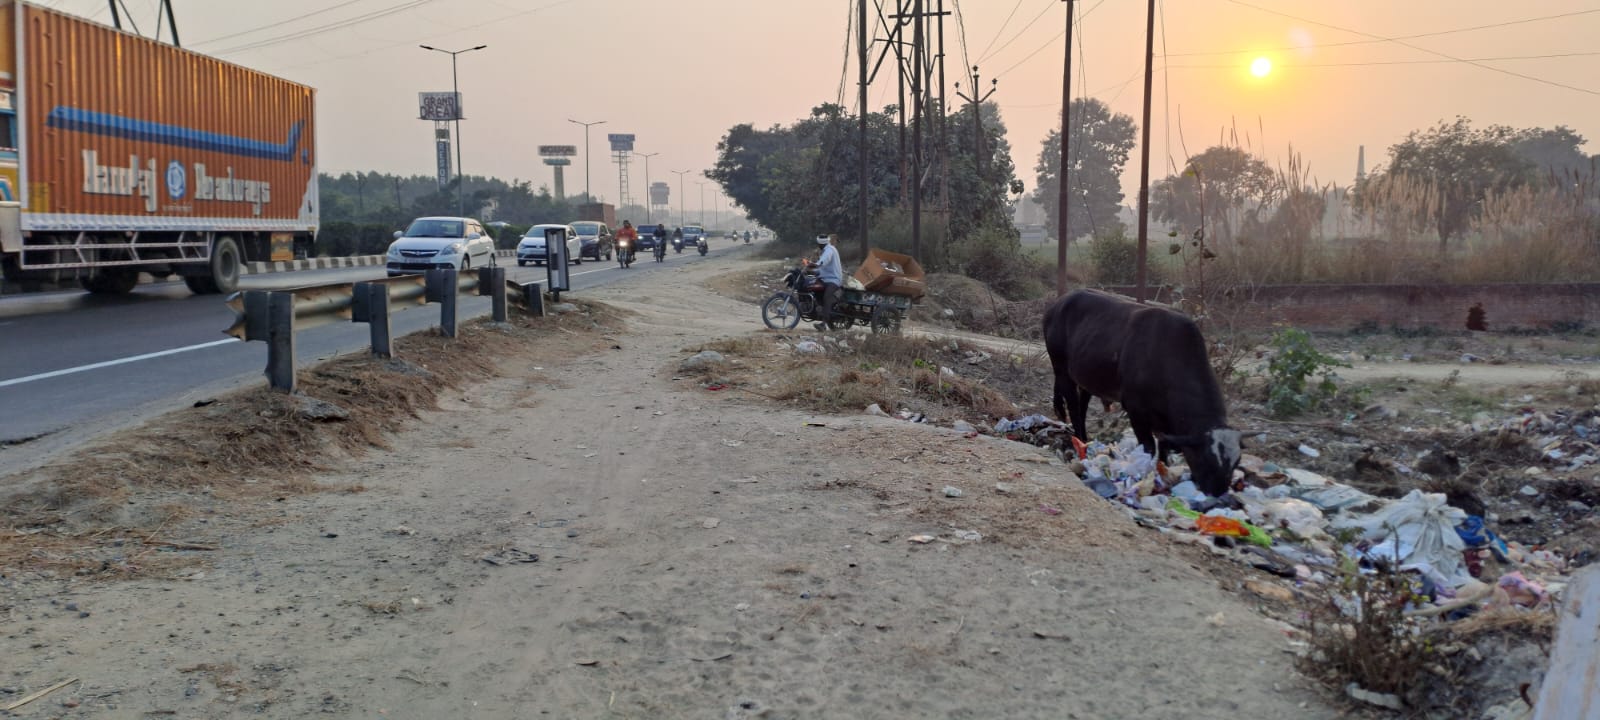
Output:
(1101, 142)
(1459, 165)
(1216, 187)
(1556, 152)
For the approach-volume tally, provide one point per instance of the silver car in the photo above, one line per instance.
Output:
(437, 243)
(532, 248)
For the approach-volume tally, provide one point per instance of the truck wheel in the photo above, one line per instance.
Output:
(110, 281)
(222, 272)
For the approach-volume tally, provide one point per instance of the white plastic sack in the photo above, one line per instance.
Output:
(1418, 530)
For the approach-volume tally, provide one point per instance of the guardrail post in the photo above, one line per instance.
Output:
(447, 303)
(533, 294)
(280, 341)
(375, 300)
(492, 282)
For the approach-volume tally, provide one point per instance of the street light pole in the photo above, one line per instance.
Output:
(455, 88)
(702, 185)
(681, 173)
(587, 196)
(647, 201)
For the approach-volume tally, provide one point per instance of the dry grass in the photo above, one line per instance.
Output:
(106, 508)
(1375, 647)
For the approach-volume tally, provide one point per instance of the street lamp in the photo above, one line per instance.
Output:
(648, 202)
(702, 185)
(588, 196)
(461, 177)
(681, 215)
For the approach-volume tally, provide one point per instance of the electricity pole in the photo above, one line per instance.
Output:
(977, 115)
(588, 197)
(702, 185)
(1144, 157)
(648, 202)
(1063, 198)
(461, 177)
(916, 142)
(861, 110)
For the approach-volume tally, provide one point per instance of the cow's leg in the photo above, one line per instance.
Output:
(1062, 386)
(1141, 430)
(1079, 406)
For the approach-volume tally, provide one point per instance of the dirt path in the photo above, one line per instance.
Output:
(700, 555)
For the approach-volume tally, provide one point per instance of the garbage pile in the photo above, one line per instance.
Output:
(1303, 526)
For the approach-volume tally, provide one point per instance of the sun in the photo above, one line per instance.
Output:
(1261, 67)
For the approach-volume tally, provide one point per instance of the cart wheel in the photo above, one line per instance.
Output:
(780, 312)
(884, 320)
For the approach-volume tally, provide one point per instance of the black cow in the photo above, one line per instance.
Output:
(1153, 361)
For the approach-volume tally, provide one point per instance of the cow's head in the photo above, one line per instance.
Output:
(1212, 457)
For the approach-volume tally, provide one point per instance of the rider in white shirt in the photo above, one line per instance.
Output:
(831, 273)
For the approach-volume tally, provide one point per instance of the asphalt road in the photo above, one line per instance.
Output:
(72, 363)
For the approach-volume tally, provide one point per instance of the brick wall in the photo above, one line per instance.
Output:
(1440, 307)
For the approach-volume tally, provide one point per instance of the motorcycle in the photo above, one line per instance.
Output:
(661, 251)
(801, 299)
(677, 245)
(747, 238)
(702, 244)
(624, 253)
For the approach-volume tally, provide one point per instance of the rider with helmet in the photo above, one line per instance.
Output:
(627, 238)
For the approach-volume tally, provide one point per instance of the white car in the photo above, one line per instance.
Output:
(532, 249)
(440, 243)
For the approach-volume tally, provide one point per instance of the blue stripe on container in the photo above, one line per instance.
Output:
(97, 123)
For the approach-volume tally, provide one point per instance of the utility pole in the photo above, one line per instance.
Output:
(916, 153)
(1063, 198)
(455, 87)
(977, 116)
(944, 131)
(1144, 157)
(588, 197)
(900, 66)
(681, 215)
(648, 201)
(861, 110)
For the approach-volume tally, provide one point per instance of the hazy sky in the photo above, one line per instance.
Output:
(678, 73)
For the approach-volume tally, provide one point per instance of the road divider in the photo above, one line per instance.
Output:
(273, 316)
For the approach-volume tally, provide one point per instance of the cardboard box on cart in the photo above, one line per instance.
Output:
(891, 274)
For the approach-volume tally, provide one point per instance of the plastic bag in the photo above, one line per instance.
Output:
(1415, 532)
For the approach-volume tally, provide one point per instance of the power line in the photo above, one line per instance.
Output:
(1024, 29)
(280, 23)
(961, 24)
(1408, 62)
(338, 25)
(1473, 63)
(998, 33)
(414, 41)
(1050, 42)
(1437, 33)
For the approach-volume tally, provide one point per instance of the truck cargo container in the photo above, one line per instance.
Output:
(123, 155)
(599, 212)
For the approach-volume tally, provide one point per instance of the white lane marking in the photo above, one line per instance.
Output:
(109, 363)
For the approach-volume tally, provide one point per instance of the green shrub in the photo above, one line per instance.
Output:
(1116, 260)
(1294, 361)
(996, 258)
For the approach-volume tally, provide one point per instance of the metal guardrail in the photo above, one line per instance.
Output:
(273, 316)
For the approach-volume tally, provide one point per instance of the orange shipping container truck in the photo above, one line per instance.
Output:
(123, 155)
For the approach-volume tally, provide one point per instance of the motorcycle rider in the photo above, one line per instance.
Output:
(831, 273)
(626, 234)
(747, 237)
(661, 241)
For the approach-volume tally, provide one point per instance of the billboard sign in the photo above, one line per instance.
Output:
(660, 193)
(558, 150)
(621, 142)
(557, 161)
(439, 106)
(442, 147)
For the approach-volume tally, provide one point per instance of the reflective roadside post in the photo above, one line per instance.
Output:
(555, 244)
